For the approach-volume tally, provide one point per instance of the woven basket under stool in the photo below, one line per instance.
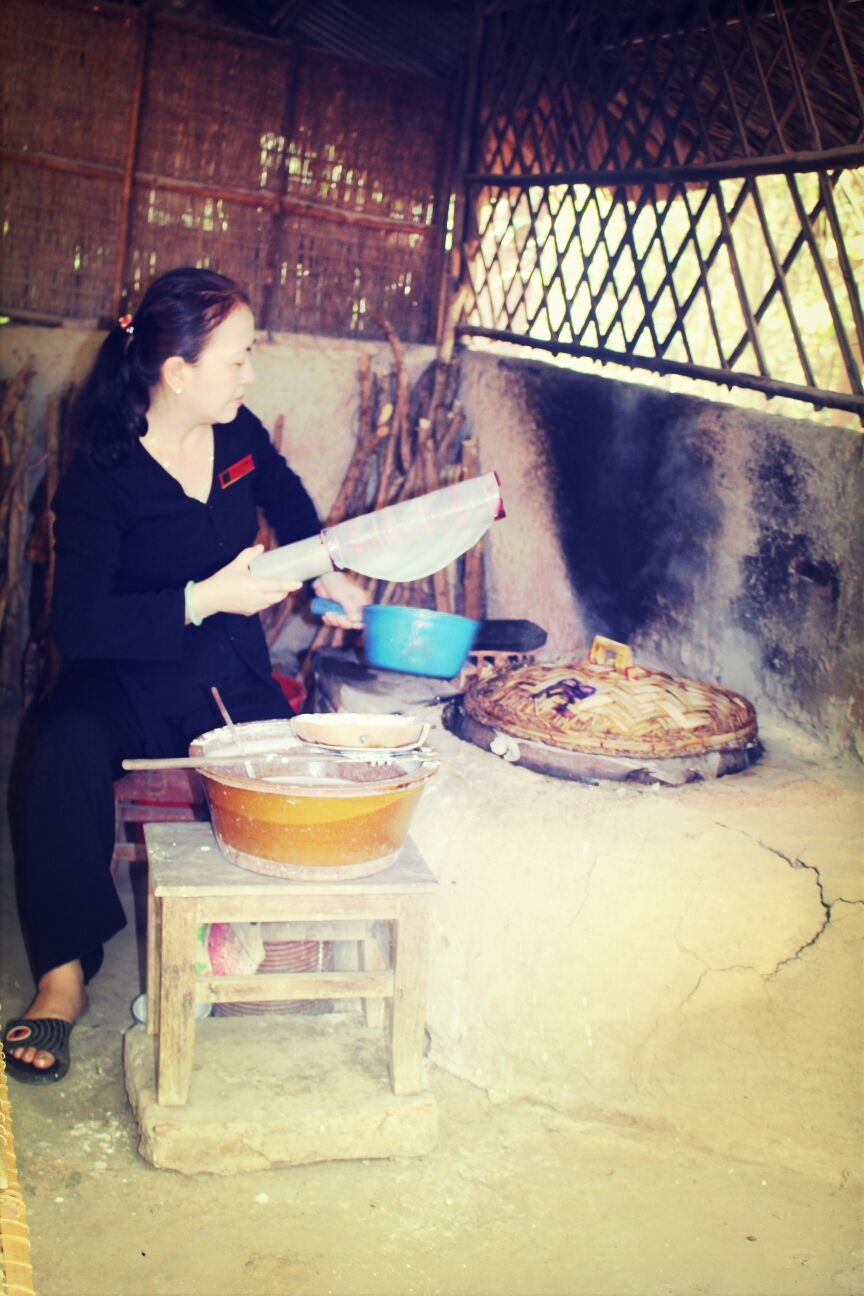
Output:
(286, 956)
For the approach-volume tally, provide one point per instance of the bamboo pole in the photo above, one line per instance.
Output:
(725, 377)
(474, 585)
(845, 155)
(131, 154)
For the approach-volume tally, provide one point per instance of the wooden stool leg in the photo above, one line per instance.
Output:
(408, 1017)
(374, 957)
(176, 1002)
(154, 946)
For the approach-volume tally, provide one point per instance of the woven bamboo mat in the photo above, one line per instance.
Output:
(16, 1271)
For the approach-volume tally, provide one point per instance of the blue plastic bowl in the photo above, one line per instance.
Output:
(417, 641)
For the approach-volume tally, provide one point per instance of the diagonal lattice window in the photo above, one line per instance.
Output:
(674, 188)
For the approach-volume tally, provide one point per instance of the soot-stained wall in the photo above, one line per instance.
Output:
(633, 499)
(718, 542)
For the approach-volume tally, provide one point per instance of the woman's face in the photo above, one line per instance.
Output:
(214, 387)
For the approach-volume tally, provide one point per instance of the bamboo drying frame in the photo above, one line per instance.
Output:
(636, 102)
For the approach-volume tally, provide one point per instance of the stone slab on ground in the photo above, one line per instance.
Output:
(276, 1091)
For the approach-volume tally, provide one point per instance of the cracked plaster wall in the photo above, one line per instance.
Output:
(676, 960)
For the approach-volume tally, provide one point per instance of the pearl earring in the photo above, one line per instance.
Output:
(179, 391)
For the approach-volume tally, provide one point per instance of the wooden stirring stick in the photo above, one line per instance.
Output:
(273, 760)
(223, 711)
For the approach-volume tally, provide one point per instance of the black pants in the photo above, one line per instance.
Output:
(69, 904)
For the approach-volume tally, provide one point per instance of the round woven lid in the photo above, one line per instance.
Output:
(613, 706)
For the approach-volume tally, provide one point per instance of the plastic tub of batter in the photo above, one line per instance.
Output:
(285, 813)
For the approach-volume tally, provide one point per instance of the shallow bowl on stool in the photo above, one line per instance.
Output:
(360, 729)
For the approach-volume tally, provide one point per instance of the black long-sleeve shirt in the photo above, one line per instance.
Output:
(128, 539)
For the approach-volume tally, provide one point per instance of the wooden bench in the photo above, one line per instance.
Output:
(150, 796)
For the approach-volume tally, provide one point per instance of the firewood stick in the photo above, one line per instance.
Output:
(440, 421)
(371, 422)
(365, 445)
(365, 379)
(473, 583)
(439, 386)
(384, 493)
(12, 397)
(20, 462)
(475, 594)
(363, 453)
(401, 425)
(12, 616)
(448, 442)
(441, 593)
(441, 590)
(454, 313)
(426, 447)
(39, 544)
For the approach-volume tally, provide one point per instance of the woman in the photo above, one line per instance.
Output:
(153, 604)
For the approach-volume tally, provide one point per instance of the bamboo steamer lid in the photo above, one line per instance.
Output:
(606, 703)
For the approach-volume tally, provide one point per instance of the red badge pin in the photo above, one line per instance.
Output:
(228, 476)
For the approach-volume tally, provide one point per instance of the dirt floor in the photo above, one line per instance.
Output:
(516, 1199)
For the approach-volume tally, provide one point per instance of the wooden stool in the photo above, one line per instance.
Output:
(191, 882)
(148, 796)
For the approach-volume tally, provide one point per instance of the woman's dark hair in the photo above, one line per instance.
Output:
(178, 312)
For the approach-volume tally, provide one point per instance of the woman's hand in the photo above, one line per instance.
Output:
(336, 585)
(235, 589)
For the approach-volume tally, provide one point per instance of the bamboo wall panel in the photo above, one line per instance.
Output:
(59, 241)
(64, 81)
(213, 110)
(314, 181)
(170, 228)
(333, 279)
(358, 140)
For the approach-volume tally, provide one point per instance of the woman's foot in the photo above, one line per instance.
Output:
(61, 995)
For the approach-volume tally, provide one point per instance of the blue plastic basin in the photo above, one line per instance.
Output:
(417, 641)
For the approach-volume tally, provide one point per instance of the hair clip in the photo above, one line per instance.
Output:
(125, 322)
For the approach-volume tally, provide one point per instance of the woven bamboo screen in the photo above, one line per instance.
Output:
(362, 206)
(132, 143)
(59, 231)
(675, 188)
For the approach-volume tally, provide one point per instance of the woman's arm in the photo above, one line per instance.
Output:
(95, 613)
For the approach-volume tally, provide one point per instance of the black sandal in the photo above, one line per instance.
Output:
(49, 1035)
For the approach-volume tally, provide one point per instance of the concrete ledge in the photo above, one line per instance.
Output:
(271, 1091)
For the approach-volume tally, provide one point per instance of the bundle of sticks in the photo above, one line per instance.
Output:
(15, 467)
(409, 442)
(40, 663)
